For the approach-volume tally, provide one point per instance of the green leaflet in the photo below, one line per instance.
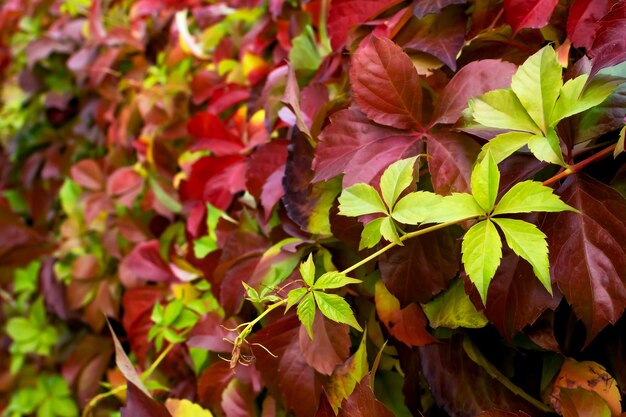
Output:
(529, 196)
(306, 313)
(482, 250)
(537, 84)
(504, 145)
(528, 242)
(485, 181)
(455, 207)
(304, 55)
(503, 110)
(396, 178)
(547, 148)
(307, 270)
(371, 234)
(619, 147)
(415, 207)
(336, 308)
(360, 199)
(453, 309)
(294, 296)
(333, 279)
(388, 230)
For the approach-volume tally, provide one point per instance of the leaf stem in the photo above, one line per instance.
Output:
(402, 239)
(580, 165)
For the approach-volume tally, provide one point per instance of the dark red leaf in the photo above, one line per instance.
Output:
(216, 179)
(125, 183)
(421, 268)
(138, 304)
(265, 160)
(500, 413)
(363, 403)
(582, 21)
(330, 345)
(472, 80)
(146, 262)
(588, 251)
(361, 157)
(88, 174)
(325, 409)
(212, 383)
(139, 404)
(423, 7)
(238, 400)
(385, 84)
(522, 14)
(209, 333)
(609, 46)
(441, 35)
(452, 156)
(19, 244)
(212, 134)
(345, 14)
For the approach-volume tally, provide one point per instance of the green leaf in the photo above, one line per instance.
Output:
(453, 309)
(547, 148)
(157, 313)
(537, 83)
(454, 207)
(528, 242)
(371, 234)
(415, 207)
(294, 296)
(306, 313)
(504, 145)
(26, 279)
(396, 178)
(485, 181)
(530, 196)
(307, 270)
(203, 246)
(304, 55)
(502, 109)
(334, 279)
(336, 309)
(347, 376)
(482, 250)
(20, 329)
(619, 147)
(388, 230)
(172, 311)
(360, 199)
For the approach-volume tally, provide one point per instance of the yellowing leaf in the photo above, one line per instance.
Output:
(185, 408)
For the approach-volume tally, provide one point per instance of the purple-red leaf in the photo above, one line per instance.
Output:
(385, 84)
(452, 156)
(522, 14)
(423, 7)
(146, 262)
(329, 347)
(582, 21)
(609, 46)
(363, 403)
(588, 251)
(138, 404)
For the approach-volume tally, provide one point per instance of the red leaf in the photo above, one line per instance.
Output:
(209, 334)
(88, 174)
(361, 157)
(581, 403)
(265, 160)
(500, 413)
(146, 262)
(125, 183)
(588, 251)
(421, 268)
(452, 156)
(139, 404)
(19, 244)
(288, 377)
(216, 179)
(385, 84)
(609, 46)
(472, 80)
(138, 304)
(582, 21)
(441, 35)
(213, 135)
(423, 7)
(324, 409)
(408, 325)
(363, 403)
(522, 14)
(345, 14)
(330, 345)
(213, 382)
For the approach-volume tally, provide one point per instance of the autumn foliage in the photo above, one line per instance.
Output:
(266, 208)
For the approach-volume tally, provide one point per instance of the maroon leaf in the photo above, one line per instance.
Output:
(125, 183)
(460, 386)
(522, 14)
(609, 46)
(588, 251)
(421, 268)
(441, 35)
(582, 21)
(289, 377)
(146, 262)
(361, 157)
(263, 163)
(329, 347)
(138, 304)
(88, 174)
(472, 80)
(138, 404)
(500, 413)
(19, 244)
(423, 7)
(345, 14)
(385, 84)
(452, 156)
(212, 383)
(363, 403)
(324, 409)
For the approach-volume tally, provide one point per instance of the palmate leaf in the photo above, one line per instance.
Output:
(530, 196)
(547, 148)
(415, 207)
(336, 308)
(482, 250)
(455, 207)
(360, 199)
(371, 234)
(505, 145)
(502, 109)
(396, 178)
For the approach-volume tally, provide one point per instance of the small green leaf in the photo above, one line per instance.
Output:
(307, 270)
(482, 250)
(453, 309)
(528, 242)
(396, 178)
(360, 199)
(171, 336)
(371, 234)
(304, 55)
(389, 231)
(619, 147)
(334, 279)
(537, 84)
(415, 207)
(504, 145)
(530, 196)
(503, 110)
(172, 311)
(454, 207)
(336, 309)
(306, 313)
(294, 296)
(547, 148)
(157, 313)
(485, 182)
